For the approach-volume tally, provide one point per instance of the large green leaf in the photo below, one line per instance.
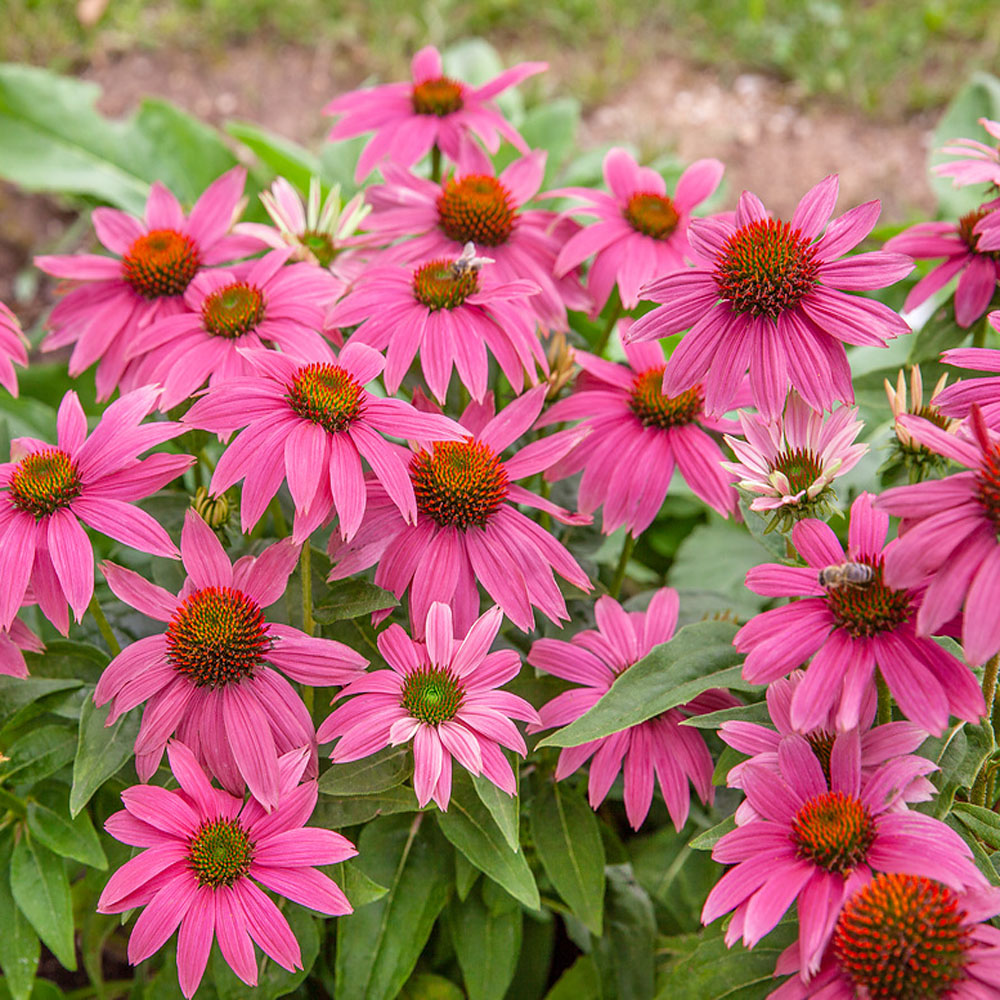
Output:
(101, 751)
(50, 823)
(568, 840)
(487, 944)
(16, 693)
(699, 657)
(39, 753)
(378, 946)
(470, 827)
(959, 753)
(293, 162)
(383, 770)
(64, 658)
(19, 946)
(624, 955)
(338, 811)
(40, 888)
(581, 981)
(505, 809)
(346, 599)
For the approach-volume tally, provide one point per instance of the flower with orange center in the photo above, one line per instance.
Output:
(637, 436)
(849, 625)
(467, 527)
(211, 676)
(813, 840)
(639, 231)
(13, 349)
(771, 297)
(431, 110)
(309, 418)
(112, 300)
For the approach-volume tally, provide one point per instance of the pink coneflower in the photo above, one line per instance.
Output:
(450, 311)
(957, 400)
(155, 260)
(850, 626)
(637, 437)
(13, 349)
(958, 243)
(791, 462)
(771, 296)
(434, 110)
(949, 532)
(210, 676)
(905, 937)
(660, 749)
(310, 419)
(46, 491)
(441, 694)
(265, 302)
(14, 642)
(641, 231)
(473, 206)
(318, 231)
(204, 853)
(467, 527)
(978, 163)
(816, 841)
(878, 745)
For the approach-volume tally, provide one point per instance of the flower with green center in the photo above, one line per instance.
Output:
(788, 465)
(439, 693)
(208, 855)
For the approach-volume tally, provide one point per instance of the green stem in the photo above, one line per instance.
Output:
(435, 164)
(104, 625)
(280, 524)
(305, 566)
(616, 582)
(613, 317)
(884, 699)
(989, 695)
(13, 803)
(979, 334)
(204, 456)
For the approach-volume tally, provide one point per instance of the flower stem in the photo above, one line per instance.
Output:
(616, 582)
(305, 567)
(280, 524)
(884, 699)
(979, 334)
(989, 695)
(103, 624)
(435, 163)
(613, 317)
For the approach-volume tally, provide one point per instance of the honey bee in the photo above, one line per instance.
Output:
(847, 574)
(468, 261)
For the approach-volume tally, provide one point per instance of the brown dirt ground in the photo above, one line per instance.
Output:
(771, 142)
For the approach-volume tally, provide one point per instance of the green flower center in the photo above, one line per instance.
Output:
(800, 467)
(652, 215)
(902, 937)
(432, 694)
(217, 637)
(221, 853)
(654, 409)
(161, 263)
(233, 311)
(439, 285)
(834, 831)
(327, 395)
(43, 482)
(320, 245)
(458, 483)
(476, 209)
(765, 268)
(441, 96)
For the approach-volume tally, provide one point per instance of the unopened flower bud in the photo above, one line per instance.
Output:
(214, 511)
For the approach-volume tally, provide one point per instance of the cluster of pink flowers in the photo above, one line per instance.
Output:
(275, 340)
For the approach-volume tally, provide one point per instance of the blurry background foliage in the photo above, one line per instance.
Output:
(884, 56)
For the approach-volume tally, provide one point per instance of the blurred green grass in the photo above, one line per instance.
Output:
(885, 56)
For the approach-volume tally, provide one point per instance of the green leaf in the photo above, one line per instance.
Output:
(699, 657)
(568, 840)
(979, 98)
(535, 961)
(487, 945)
(505, 809)
(709, 838)
(40, 888)
(288, 159)
(712, 970)
(983, 822)
(339, 811)
(551, 126)
(428, 986)
(75, 838)
(470, 827)
(466, 874)
(77, 661)
(346, 599)
(383, 770)
(757, 712)
(378, 945)
(39, 753)
(624, 955)
(19, 946)
(959, 753)
(358, 887)
(16, 693)
(101, 751)
(581, 981)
